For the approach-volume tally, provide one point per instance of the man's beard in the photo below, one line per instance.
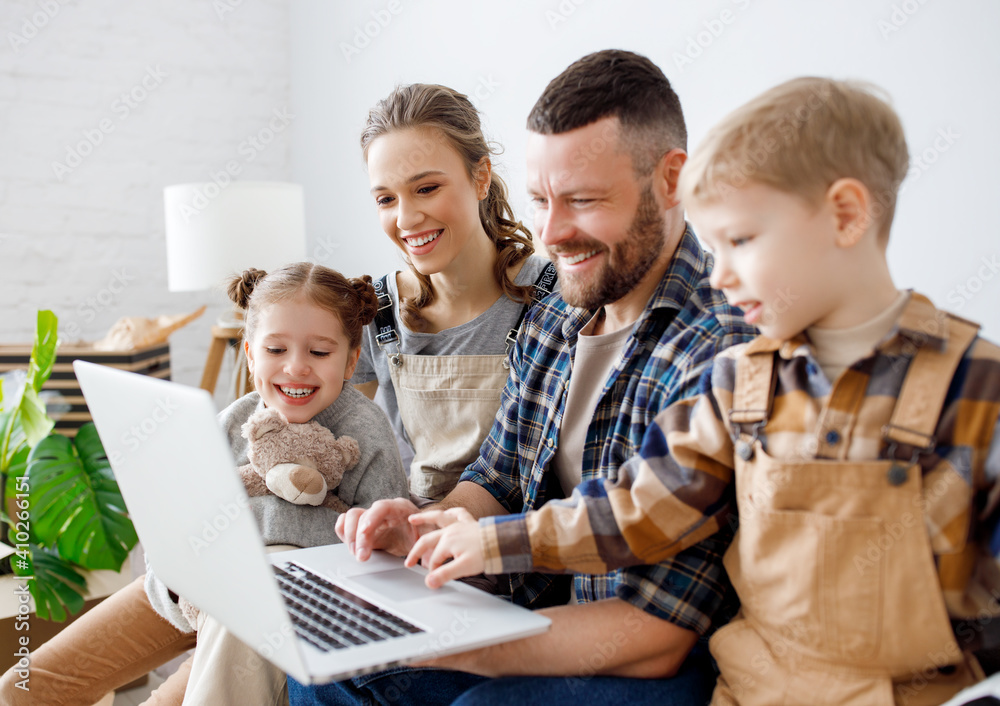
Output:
(627, 263)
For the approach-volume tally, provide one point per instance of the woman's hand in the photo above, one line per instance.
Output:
(453, 551)
(382, 526)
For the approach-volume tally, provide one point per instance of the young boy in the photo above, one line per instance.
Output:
(855, 440)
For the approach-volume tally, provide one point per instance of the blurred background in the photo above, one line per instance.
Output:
(104, 103)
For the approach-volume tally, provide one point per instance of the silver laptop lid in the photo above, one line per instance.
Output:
(196, 551)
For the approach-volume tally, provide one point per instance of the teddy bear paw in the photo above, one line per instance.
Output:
(296, 483)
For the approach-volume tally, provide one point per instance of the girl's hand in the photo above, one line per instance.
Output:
(457, 542)
(382, 526)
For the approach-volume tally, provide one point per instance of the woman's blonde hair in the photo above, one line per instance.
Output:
(353, 301)
(800, 137)
(421, 105)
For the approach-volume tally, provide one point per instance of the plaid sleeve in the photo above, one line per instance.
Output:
(675, 493)
(687, 589)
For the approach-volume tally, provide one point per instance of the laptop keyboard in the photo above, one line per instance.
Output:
(331, 618)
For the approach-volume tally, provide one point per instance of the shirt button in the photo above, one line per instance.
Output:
(550, 443)
(833, 437)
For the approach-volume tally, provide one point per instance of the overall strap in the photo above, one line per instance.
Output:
(753, 390)
(926, 384)
(385, 321)
(753, 387)
(544, 286)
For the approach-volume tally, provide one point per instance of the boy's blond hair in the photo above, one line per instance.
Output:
(800, 137)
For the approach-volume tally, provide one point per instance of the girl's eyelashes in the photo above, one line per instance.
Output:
(279, 351)
(428, 189)
(383, 200)
(742, 240)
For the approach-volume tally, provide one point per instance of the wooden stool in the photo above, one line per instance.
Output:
(224, 337)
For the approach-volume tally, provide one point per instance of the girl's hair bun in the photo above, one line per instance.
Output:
(368, 300)
(241, 286)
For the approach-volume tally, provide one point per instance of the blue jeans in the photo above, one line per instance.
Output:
(691, 686)
(400, 686)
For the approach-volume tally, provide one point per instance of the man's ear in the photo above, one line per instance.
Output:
(850, 205)
(665, 176)
(484, 175)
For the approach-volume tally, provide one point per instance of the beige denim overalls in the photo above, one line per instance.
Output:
(816, 626)
(447, 403)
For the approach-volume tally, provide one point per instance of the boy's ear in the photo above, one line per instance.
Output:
(665, 176)
(850, 203)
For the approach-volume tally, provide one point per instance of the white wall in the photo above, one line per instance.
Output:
(215, 77)
(939, 61)
(198, 80)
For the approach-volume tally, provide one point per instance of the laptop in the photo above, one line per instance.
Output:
(317, 613)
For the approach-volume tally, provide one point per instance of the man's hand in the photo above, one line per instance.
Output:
(457, 539)
(382, 526)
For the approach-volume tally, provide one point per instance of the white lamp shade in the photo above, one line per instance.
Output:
(215, 231)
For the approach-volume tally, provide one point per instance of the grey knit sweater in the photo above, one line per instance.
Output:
(378, 474)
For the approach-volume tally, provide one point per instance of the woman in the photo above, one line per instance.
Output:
(464, 294)
(439, 352)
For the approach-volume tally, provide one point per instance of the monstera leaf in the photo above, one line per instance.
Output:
(54, 583)
(75, 505)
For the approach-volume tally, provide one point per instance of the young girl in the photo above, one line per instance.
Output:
(303, 331)
(439, 352)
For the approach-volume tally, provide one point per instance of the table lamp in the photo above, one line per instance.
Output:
(215, 231)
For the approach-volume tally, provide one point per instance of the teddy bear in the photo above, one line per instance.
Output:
(302, 463)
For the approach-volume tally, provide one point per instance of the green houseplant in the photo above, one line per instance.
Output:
(62, 510)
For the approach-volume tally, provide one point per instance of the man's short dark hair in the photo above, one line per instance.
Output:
(621, 84)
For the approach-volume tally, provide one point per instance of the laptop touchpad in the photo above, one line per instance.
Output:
(399, 585)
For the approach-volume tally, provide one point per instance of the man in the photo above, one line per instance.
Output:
(635, 324)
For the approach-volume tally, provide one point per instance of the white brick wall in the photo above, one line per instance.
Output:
(90, 245)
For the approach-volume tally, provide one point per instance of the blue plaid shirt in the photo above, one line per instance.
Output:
(683, 326)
